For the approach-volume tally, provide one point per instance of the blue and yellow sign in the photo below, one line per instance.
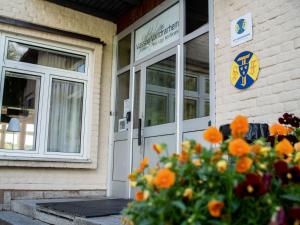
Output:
(244, 70)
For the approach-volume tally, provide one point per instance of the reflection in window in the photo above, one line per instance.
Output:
(46, 57)
(124, 47)
(19, 101)
(160, 92)
(122, 95)
(196, 86)
(196, 14)
(66, 104)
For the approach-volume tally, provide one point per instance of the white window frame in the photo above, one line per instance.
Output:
(46, 75)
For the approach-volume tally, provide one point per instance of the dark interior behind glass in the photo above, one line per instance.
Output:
(196, 14)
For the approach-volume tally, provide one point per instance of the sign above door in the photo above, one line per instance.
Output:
(157, 33)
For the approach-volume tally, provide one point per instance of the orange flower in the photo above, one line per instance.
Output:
(198, 148)
(218, 154)
(284, 148)
(278, 129)
(132, 176)
(144, 163)
(183, 157)
(239, 126)
(215, 208)
(164, 178)
(158, 148)
(243, 164)
(238, 147)
(139, 196)
(213, 135)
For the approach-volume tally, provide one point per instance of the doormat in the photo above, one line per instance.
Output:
(89, 208)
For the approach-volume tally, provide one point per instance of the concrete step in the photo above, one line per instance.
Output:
(30, 209)
(12, 218)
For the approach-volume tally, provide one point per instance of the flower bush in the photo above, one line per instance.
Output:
(231, 182)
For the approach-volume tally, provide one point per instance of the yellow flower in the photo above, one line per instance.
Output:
(133, 183)
(297, 158)
(149, 178)
(222, 166)
(186, 145)
(197, 162)
(297, 147)
(213, 135)
(132, 176)
(168, 165)
(158, 148)
(215, 208)
(188, 193)
(264, 150)
(146, 194)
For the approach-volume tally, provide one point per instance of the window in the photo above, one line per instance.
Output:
(196, 14)
(124, 47)
(43, 109)
(196, 77)
(46, 57)
(20, 100)
(65, 116)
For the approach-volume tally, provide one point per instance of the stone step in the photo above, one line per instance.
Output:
(30, 209)
(12, 218)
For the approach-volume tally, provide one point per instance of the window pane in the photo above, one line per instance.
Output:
(65, 118)
(122, 97)
(124, 47)
(190, 111)
(46, 57)
(196, 14)
(19, 101)
(160, 92)
(196, 78)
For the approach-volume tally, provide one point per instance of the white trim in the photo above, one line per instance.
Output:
(46, 74)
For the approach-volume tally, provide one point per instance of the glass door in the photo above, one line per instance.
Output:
(155, 103)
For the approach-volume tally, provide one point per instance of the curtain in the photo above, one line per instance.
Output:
(65, 117)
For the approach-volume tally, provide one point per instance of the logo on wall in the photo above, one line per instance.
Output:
(244, 70)
(240, 26)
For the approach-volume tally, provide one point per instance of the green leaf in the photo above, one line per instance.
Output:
(180, 205)
(294, 198)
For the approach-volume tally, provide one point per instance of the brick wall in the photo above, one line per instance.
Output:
(28, 175)
(276, 42)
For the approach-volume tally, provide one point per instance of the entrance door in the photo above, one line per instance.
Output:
(154, 114)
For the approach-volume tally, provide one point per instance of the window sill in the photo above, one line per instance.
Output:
(18, 161)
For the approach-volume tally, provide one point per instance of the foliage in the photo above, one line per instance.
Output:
(231, 182)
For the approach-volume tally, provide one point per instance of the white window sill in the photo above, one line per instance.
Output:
(18, 161)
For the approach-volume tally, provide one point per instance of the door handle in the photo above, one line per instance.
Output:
(140, 132)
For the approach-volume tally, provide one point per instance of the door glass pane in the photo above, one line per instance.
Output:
(136, 103)
(19, 111)
(65, 117)
(160, 92)
(122, 98)
(190, 106)
(46, 57)
(196, 14)
(124, 47)
(196, 76)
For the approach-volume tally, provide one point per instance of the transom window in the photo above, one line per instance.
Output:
(42, 108)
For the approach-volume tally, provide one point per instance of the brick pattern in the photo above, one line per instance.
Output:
(28, 175)
(276, 42)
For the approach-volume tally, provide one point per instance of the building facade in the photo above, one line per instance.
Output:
(88, 111)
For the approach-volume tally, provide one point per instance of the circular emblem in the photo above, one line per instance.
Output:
(240, 26)
(244, 70)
